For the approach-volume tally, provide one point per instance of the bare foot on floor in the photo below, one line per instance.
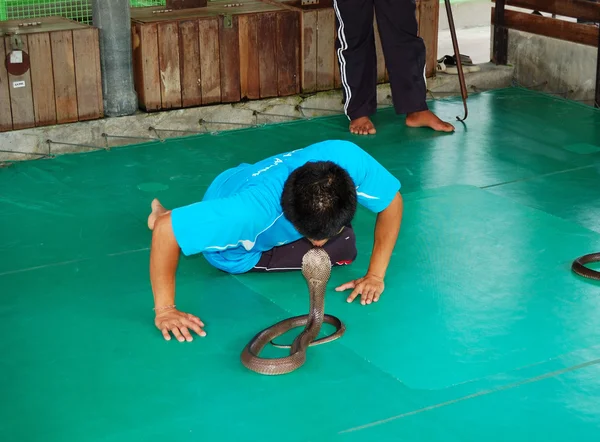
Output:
(157, 210)
(428, 119)
(362, 126)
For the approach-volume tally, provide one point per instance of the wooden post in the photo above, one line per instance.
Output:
(429, 13)
(597, 102)
(114, 24)
(500, 55)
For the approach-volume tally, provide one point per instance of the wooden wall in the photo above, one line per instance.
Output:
(209, 57)
(63, 83)
(228, 52)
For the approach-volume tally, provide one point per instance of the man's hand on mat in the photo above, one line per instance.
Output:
(369, 287)
(178, 323)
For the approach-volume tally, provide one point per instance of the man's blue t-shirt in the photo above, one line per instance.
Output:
(240, 215)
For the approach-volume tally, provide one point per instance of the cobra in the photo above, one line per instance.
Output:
(316, 269)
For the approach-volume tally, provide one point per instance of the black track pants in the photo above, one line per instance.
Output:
(403, 50)
(341, 249)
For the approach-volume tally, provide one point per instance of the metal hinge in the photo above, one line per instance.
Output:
(16, 43)
(227, 21)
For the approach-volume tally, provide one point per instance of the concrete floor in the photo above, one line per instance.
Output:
(473, 30)
(474, 42)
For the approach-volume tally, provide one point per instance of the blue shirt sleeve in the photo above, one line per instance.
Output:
(219, 224)
(376, 187)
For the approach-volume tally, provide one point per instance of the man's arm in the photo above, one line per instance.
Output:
(193, 229)
(164, 259)
(387, 227)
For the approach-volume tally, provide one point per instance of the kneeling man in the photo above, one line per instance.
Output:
(264, 217)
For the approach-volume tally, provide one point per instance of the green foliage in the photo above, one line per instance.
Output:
(79, 10)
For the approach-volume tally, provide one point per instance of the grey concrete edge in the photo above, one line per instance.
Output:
(144, 127)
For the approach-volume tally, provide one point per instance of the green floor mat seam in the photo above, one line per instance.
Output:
(534, 177)
(552, 96)
(478, 394)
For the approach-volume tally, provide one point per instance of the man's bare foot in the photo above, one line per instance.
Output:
(157, 210)
(362, 126)
(428, 119)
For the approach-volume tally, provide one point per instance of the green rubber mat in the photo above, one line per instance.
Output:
(482, 333)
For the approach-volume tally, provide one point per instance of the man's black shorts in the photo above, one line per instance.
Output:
(341, 249)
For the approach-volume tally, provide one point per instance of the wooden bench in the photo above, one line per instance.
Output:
(555, 27)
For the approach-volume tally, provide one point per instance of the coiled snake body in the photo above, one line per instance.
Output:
(316, 269)
(579, 267)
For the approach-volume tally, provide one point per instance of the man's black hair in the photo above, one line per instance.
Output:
(319, 198)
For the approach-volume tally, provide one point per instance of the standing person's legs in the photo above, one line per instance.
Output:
(341, 250)
(357, 60)
(405, 57)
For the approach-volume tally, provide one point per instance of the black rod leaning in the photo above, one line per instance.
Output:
(597, 101)
(461, 74)
(500, 34)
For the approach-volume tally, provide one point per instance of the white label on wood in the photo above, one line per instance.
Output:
(17, 84)
(16, 57)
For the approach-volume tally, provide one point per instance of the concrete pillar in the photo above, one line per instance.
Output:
(113, 20)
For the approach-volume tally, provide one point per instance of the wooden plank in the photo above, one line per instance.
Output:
(249, 66)
(21, 98)
(137, 64)
(582, 9)
(337, 79)
(288, 52)
(88, 74)
(214, 9)
(210, 67)
(325, 49)
(267, 55)
(42, 79)
(5, 111)
(47, 24)
(147, 74)
(65, 89)
(191, 84)
(309, 51)
(550, 27)
(379, 53)
(168, 61)
(428, 25)
(230, 60)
